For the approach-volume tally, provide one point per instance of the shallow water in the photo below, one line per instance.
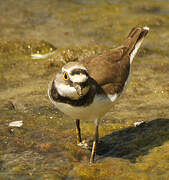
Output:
(45, 146)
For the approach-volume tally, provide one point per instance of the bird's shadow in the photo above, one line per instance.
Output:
(132, 142)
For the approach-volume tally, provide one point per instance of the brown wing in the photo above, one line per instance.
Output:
(111, 67)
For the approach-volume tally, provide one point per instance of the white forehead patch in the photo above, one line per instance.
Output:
(79, 78)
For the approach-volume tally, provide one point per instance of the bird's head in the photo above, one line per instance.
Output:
(73, 81)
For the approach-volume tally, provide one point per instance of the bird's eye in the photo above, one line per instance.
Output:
(65, 76)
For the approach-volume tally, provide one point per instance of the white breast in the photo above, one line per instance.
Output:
(96, 110)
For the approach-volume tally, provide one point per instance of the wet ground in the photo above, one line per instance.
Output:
(44, 147)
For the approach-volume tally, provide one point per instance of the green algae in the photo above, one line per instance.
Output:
(16, 47)
(124, 151)
(45, 146)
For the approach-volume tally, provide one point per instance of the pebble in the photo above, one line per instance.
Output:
(16, 124)
(138, 123)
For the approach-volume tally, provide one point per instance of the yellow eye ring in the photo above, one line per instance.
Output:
(65, 76)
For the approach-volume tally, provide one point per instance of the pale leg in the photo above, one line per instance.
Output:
(95, 141)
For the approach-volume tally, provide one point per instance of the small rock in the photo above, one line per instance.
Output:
(16, 124)
(138, 123)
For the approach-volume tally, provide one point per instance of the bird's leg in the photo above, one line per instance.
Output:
(78, 131)
(95, 142)
(82, 144)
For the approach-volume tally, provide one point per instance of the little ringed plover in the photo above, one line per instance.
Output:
(87, 89)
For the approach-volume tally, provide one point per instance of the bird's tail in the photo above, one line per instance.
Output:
(134, 40)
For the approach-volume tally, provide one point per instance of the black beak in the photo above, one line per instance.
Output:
(78, 89)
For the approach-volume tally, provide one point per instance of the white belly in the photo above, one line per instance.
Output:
(94, 111)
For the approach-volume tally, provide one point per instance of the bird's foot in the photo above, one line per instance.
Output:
(83, 144)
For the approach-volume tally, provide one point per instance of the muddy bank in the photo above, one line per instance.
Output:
(44, 147)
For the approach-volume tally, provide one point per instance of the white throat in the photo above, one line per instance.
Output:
(66, 90)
